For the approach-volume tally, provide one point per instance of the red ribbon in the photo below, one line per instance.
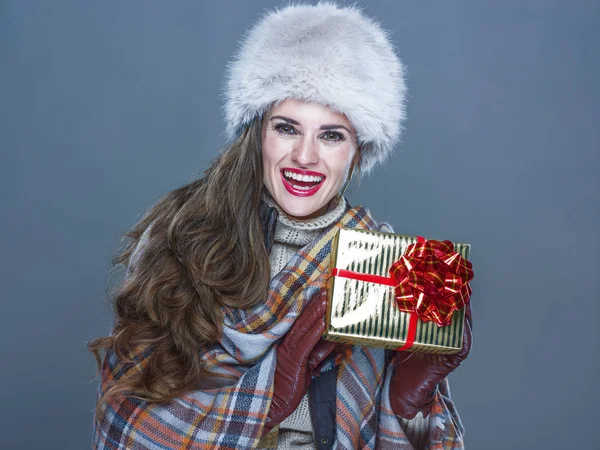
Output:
(430, 280)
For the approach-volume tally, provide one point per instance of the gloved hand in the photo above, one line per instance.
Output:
(300, 352)
(416, 375)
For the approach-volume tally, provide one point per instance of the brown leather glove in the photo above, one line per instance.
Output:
(416, 375)
(300, 352)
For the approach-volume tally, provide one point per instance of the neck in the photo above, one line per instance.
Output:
(330, 206)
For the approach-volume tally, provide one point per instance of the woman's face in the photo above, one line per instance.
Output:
(307, 151)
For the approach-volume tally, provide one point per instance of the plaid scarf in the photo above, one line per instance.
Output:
(232, 416)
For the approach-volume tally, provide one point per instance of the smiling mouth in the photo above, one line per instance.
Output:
(301, 185)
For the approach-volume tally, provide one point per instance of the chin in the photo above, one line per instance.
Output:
(300, 211)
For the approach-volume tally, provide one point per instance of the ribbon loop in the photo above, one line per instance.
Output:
(431, 281)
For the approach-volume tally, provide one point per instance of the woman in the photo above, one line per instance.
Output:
(217, 339)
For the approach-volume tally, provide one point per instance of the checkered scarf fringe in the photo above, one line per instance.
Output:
(232, 416)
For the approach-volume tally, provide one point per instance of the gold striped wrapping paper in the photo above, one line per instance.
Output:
(365, 313)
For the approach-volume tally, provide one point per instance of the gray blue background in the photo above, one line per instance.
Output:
(106, 106)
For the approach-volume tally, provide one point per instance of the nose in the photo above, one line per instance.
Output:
(305, 152)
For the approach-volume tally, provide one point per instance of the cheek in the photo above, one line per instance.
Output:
(340, 166)
(271, 152)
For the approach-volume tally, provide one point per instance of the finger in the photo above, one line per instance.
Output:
(321, 351)
(312, 336)
(469, 314)
(467, 341)
(403, 356)
(309, 326)
(310, 314)
(305, 342)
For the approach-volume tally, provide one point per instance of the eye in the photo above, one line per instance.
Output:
(333, 136)
(284, 128)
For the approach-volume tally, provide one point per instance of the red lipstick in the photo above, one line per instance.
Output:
(293, 188)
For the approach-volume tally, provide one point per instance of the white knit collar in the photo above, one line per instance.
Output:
(315, 223)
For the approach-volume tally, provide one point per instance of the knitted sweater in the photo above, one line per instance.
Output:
(296, 431)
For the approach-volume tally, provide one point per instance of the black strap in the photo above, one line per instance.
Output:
(268, 217)
(322, 397)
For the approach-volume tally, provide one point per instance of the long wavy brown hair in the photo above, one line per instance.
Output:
(204, 249)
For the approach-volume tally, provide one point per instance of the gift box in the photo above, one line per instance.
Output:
(380, 294)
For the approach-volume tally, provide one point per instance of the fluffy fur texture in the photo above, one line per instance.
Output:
(325, 53)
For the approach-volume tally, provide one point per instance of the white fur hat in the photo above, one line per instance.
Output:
(324, 53)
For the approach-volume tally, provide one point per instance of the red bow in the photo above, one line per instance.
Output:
(432, 280)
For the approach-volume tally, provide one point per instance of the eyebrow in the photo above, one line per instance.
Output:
(322, 127)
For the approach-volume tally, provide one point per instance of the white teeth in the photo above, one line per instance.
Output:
(299, 177)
